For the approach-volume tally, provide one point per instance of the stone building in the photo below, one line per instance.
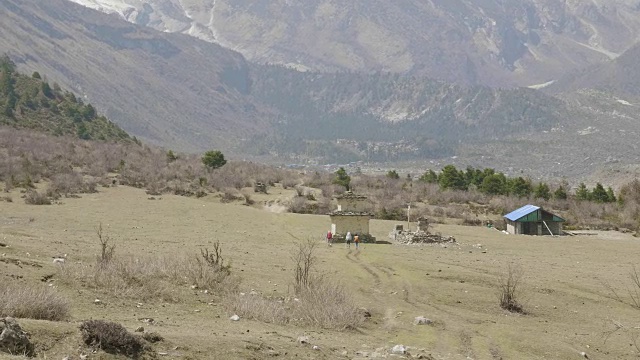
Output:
(351, 215)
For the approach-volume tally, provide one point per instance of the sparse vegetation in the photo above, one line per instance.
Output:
(22, 300)
(509, 289)
(112, 338)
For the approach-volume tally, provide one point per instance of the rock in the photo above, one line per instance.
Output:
(234, 318)
(399, 349)
(421, 320)
(97, 301)
(584, 355)
(13, 339)
(365, 312)
(140, 329)
(316, 347)
(58, 261)
(303, 340)
(194, 287)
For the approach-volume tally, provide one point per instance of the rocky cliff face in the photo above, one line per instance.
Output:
(491, 42)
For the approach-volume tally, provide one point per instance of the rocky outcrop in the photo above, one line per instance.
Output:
(13, 339)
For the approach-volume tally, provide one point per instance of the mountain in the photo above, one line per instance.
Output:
(391, 116)
(170, 89)
(31, 103)
(500, 43)
(189, 94)
(620, 77)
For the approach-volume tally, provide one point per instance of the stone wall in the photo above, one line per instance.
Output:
(354, 223)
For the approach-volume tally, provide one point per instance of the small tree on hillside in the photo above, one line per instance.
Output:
(213, 159)
(430, 177)
(451, 178)
(342, 178)
(560, 193)
(599, 194)
(542, 191)
(392, 174)
(582, 193)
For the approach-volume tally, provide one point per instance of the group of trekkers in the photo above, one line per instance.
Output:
(349, 239)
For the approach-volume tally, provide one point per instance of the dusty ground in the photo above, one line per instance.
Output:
(569, 308)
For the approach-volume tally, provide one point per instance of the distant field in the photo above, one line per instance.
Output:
(569, 309)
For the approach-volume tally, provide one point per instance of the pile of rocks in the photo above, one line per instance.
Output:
(422, 237)
(13, 339)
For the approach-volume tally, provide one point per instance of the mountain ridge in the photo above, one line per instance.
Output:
(497, 43)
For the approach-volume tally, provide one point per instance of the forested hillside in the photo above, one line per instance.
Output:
(32, 103)
(415, 116)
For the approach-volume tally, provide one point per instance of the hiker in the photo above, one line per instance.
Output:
(356, 240)
(329, 237)
(349, 238)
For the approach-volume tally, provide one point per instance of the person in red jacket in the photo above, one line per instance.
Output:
(329, 237)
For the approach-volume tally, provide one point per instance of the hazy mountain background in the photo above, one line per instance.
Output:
(445, 95)
(490, 42)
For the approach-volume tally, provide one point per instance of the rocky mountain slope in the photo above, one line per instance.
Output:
(136, 76)
(491, 42)
(188, 94)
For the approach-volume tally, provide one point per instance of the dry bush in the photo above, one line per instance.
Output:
(112, 338)
(631, 295)
(33, 197)
(32, 302)
(304, 258)
(150, 278)
(327, 305)
(231, 194)
(6, 198)
(256, 307)
(289, 183)
(509, 289)
(298, 205)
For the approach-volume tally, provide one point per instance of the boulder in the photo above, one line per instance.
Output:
(234, 318)
(303, 340)
(399, 349)
(13, 339)
(421, 320)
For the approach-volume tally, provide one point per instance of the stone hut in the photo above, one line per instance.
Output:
(351, 215)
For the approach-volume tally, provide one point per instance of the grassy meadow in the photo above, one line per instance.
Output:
(565, 286)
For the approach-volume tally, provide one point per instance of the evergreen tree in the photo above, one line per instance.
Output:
(520, 187)
(495, 184)
(560, 193)
(342, 178)
(582, 193)
(213, 159)
(430, 177)
(599, 194)
(542, 191)
(611, 197)
(36, 75)
(392, 174)
(451, 178)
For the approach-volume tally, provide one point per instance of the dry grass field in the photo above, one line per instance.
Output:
(569, 309)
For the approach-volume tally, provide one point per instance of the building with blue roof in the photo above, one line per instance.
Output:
(533, 220)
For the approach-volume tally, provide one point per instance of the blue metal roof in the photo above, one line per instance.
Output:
(523, 211)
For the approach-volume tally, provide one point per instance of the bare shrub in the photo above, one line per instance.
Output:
(509, 284)
(111, 337)
(6, 198)
(230, 195)
(304, 259)
(289, 183)
(107, 249)
(327, 305)
(631, 295)
(153, 277)
(299, 190)
(33, 302)
(468, 221)
(33, 197)
(256, 307)
(298, 205)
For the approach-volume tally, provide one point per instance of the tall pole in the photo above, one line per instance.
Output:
(409, 217)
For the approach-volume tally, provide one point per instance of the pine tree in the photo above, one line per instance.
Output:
(542, 191)
(560, 193)
(599, 194)
(582, 193)
(342, 178)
